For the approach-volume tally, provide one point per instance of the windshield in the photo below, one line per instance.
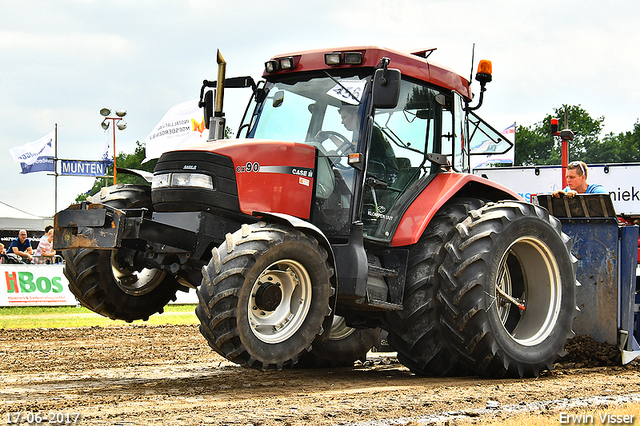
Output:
(323, 111)
(296, 111)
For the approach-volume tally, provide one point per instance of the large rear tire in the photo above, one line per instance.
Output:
(265, 296)
(509, 290)
(416, 332)
(104, 283)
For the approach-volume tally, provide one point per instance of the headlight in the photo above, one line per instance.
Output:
(191, 179)
(161, 181)
(182, 179)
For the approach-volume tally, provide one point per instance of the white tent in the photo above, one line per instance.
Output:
(12, 218)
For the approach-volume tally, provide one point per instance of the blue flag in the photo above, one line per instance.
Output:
(106, 156)
(42, 164)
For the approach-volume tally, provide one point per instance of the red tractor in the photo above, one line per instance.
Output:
(344, 207)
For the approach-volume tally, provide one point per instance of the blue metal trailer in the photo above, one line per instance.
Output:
(606, 250)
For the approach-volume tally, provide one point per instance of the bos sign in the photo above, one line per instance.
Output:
(31, 285)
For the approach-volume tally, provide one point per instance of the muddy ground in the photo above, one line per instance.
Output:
(163, 375)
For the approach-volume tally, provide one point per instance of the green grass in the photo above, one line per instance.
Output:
(71, 316)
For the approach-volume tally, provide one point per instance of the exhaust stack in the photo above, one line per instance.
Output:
(218, 122)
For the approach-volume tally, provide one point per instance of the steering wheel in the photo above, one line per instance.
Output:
(346, 144)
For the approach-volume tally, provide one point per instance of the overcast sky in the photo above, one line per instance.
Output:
(62, 61)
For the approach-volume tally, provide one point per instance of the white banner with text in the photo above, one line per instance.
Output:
(34, 285)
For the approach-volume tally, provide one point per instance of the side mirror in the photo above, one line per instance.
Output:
(208, 108)
(278, 98)
(386, 88)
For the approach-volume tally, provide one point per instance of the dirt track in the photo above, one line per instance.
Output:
(139, 375)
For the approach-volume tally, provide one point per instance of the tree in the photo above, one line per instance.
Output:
(125, 161)
(536, 146)
(622, 148)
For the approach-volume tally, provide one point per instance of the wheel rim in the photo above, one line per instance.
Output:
(339, 329)
(504, 283)
(135, 283)
(280, 301)
(528, 276)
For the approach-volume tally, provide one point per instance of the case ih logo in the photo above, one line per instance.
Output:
(189, 167)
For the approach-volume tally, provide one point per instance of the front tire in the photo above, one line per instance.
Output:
(265, 295)
(106, 284)
(509, 290)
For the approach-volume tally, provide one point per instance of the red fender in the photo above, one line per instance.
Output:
(440, 190)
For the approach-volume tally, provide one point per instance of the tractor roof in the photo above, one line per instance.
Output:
(414, 65)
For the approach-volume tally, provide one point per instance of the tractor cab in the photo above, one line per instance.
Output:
(380, 135)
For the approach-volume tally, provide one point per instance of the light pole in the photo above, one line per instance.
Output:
(121, 125)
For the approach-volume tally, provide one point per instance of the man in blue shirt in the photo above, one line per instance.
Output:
(577, 182)
(21, 246)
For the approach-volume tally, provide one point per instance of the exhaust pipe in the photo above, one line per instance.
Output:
(218, 122)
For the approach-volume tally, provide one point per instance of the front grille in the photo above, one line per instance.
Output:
(224, 196)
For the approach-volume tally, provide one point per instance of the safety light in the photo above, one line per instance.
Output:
(121, 113)
(105, 124)
(286, 63)
(121, 125)
(355, 159)
(353, 58)
(333, 59)
(105, 112)
(484, 71)
(271, 66)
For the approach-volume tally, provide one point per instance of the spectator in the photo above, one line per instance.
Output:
(577, 182)
(3, 254)
(45, 245)
(20, 248)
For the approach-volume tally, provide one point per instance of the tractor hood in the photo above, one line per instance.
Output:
(263, 175)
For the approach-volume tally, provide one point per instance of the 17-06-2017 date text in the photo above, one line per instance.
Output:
(36, 418)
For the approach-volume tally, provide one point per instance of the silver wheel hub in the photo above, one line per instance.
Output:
(539, 294)
(280, 301)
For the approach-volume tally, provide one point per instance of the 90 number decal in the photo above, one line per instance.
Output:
(248, 168)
